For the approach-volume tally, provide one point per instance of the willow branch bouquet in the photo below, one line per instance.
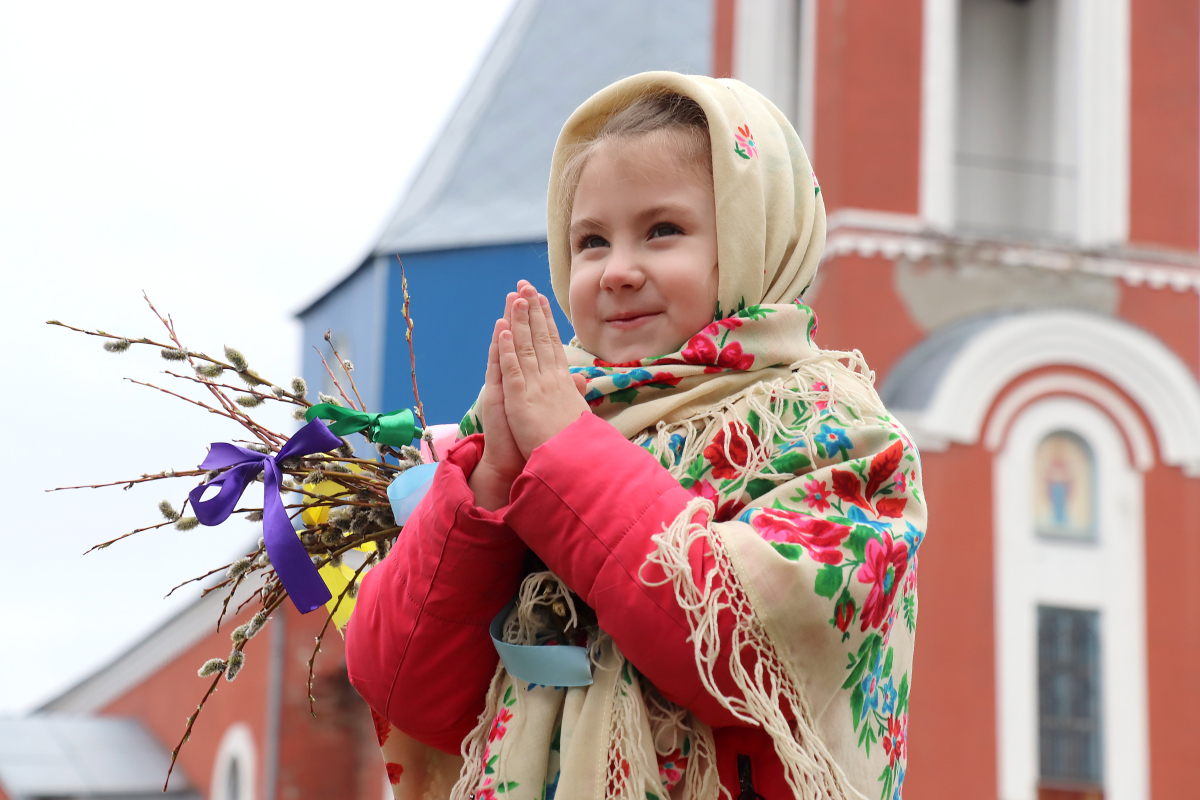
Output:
(326, 514)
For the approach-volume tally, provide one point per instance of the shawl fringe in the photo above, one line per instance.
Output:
(809, 768)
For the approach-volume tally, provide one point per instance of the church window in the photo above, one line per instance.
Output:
(233, 781)
(1069, 728)
(1014, 161)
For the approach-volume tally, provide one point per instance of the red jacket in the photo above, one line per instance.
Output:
(587, 503)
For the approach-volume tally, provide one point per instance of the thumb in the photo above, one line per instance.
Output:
(580, 383)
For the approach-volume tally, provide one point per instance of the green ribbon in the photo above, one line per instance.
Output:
(395, 428)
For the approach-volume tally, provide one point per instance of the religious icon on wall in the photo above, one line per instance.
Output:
(1064, 487)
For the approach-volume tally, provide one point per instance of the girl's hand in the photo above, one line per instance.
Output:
(502, 461)
(541, 396)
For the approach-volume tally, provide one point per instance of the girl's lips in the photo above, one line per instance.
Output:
(629, 323)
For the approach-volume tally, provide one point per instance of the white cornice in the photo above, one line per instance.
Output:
(161, 646)
(904, 236)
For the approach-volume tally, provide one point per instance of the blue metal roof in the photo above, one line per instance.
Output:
(484, 180)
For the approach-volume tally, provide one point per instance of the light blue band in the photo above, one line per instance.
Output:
(545, 665)
(408, 489)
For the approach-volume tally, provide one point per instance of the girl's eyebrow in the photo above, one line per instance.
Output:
(642, 217)
(587, 223)
(664, 210)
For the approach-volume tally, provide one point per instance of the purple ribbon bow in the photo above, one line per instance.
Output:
(288, 556)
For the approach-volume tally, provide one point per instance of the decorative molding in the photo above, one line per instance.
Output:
(992, 356)
(939, 88)
(237, 746)
(1124, 415)
(895, 236)
(1107, 575)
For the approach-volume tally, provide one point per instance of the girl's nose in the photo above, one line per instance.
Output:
(622, 271)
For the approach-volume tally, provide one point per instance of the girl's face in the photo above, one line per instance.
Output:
(643, 250)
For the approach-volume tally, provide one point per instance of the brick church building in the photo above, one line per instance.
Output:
(1013, 190)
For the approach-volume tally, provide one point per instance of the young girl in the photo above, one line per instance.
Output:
(721, 513)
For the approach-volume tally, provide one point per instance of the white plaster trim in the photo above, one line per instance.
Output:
(1107, 576)
(766, 51)
(807, 89)
(1118, 408)
(1101, 45)
(870, 233)
(236, 745)
(939, 90)
(1150, 374)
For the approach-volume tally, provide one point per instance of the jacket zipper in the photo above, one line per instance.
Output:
(746, 780)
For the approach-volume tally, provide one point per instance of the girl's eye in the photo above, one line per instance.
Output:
(664, 229)
(591, 240)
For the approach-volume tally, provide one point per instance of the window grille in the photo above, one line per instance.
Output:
(1069, 721)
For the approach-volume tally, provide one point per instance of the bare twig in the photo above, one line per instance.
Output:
(225, 402)
(312, 660)
(333, 377)
(187, 732)
(228, 597)
(198, 578)
(345, 369)
(268, 437)
(287, 397)
(130, 482)
(212, 687)
(412, 358)
(103, 545)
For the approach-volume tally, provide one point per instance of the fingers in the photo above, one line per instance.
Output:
(522, 337)
(560, 356)
(543, 345)
(492, 376)
(512, 374)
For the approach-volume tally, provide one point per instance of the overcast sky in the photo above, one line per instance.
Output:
(232, 160)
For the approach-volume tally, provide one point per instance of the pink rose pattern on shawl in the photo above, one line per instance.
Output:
(491, 781)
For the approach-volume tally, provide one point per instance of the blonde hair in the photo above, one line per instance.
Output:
(676, 118)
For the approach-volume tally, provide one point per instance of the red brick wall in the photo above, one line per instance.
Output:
(1165, 123)
(333, 754)
(164, 701)
(857, 307)
(952, 718)
(1172, 628)
(868, 103)
(723, 21)
(1173, 317)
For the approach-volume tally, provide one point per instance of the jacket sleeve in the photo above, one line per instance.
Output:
(417, 646)
(587, 504)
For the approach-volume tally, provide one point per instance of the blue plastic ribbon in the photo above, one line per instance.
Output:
(545, 665)
(406, 491)
(288, 556)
